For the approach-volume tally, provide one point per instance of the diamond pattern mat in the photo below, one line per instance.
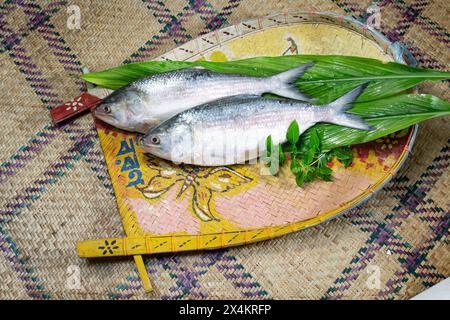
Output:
(55, 190)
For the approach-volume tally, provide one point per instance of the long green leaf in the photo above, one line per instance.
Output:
(328, 79)
(386, 115)
(293, 132)
(116, 78)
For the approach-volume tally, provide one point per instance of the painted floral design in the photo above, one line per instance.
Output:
(390, 146)
(109, 247)
(74, 104)
(203, 183)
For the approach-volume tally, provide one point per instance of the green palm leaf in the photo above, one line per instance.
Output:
(386, 115)
(331, 77)
(328, 79)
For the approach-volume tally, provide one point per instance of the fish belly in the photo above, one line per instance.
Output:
(239, 140)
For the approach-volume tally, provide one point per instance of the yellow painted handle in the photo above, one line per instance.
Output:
(132, 246)
(146, 284)
(111, 247)
(138, 246)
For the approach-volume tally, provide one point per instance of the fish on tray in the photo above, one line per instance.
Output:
(234, 130)
(147, 102)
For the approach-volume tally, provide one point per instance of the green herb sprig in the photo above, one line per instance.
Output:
(308, 161)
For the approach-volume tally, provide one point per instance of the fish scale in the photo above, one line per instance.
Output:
(234, 130)
(147, 102)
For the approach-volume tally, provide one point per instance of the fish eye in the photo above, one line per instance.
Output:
(155, 140)
(107, 109)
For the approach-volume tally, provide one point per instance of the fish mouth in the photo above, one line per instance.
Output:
(102, 115)
(98, 112)
(156, 150)
(151, 148)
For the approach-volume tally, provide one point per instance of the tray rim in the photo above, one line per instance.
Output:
(397, 53)
(396, 50)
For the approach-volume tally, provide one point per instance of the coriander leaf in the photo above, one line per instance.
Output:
(295, 166)
(314, 140)
(300, 179)
(290, 148)
(308, 156)
(310, 175)
(308, 162)
(325, 177)
(293, 133)
(325, 170)
(282, 155)
(269, 145)
(346, 162)
(324, 158)
(344, 155)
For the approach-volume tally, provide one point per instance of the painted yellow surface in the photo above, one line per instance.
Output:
(309, 39)
(170, 208)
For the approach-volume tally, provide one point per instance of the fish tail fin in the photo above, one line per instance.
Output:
(338, 108)
(284, 83)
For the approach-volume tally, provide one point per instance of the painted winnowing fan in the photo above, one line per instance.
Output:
(173, 208)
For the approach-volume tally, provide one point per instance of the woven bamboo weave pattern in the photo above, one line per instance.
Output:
(55, 188)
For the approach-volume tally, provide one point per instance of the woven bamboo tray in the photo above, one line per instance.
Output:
(170, 208)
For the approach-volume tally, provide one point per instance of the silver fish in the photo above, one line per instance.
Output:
(147, 102)
(234, 130)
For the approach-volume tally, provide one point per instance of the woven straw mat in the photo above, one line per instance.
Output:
(55, 189)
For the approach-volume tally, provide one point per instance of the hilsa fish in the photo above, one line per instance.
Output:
(234, 130)
(147, 102)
